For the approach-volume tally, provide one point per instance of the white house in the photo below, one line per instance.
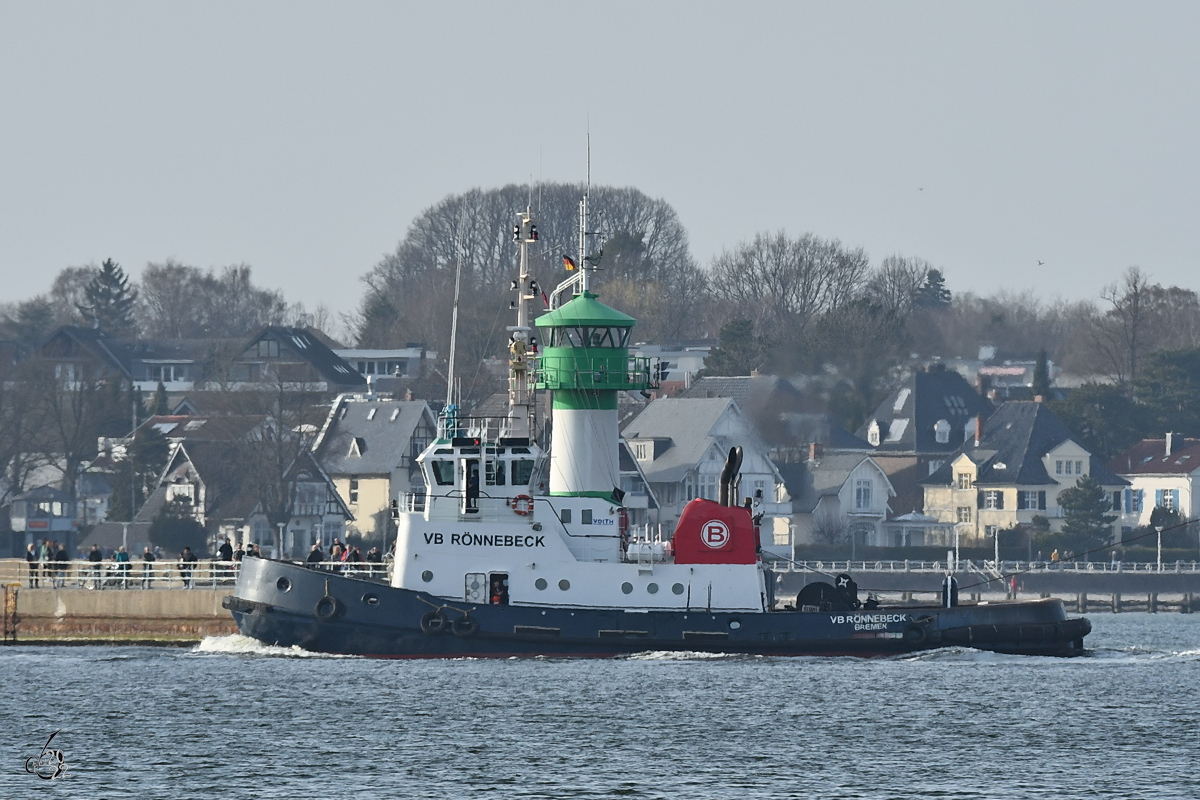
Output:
(837, 496)
(681, 446)
(1162, 473)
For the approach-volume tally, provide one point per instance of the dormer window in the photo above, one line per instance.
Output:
(941, 431)
(267, 348)
(873, 433)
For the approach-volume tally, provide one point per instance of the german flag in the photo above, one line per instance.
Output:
(569, 263)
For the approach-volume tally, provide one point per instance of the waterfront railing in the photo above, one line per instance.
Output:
(205, 574)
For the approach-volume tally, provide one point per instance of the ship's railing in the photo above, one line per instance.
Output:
(1006, 567)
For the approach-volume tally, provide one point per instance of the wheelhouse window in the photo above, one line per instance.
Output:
(493, 473)
(443, 472)
(522, 471)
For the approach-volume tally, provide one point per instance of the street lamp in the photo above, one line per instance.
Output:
(1158, 528)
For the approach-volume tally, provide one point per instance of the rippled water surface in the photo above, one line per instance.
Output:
(231, 718)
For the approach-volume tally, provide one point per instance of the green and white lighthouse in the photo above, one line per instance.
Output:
(586, 363)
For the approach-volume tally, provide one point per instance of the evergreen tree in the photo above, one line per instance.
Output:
(739, 352)
(1041, 376)
(136, 475)
(159, 405)
(932, 293)
(109, 300)
(176, 528)
(1087, 525)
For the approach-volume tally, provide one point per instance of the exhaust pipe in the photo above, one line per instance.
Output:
(733, 465)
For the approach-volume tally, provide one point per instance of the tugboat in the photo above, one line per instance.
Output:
(491, 562)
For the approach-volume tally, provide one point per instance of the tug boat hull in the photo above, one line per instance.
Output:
(286, 604)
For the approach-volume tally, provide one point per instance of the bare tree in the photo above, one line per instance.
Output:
(782, 284)
(1122, 331)
(894, 284)
(184, 302)
(828, 528)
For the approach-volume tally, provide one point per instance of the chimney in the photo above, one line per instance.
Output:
(1170, 437)
(978, 429)
(983, 384)
(814, 451)
(1037, 398)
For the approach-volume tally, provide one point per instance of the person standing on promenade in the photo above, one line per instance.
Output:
(122, 559)
(187, 562)
(45, 556)
(31, 559)
(148, 560)
(95, 558)
(62, 558)
(225, 554)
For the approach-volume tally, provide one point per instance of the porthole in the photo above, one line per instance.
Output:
(734, 625)
(427, 576)
(564, 584)
(677, 588)
(652, 588)
(627, 587)
(370, 599)
(540, 583)
(283, 585)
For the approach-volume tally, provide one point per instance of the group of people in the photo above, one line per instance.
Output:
(47, 562)
(345, 555)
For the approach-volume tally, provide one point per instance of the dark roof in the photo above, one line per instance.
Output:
(306, 345)
(1015, 439)
(1149, 457)
(909, 414)
(824, 430)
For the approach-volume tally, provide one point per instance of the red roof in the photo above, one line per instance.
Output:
(1149, 457)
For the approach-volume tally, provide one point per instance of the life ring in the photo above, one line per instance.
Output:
(915, 634)
(465, 626)
(522, 505)
(433, 623)
(327, 607)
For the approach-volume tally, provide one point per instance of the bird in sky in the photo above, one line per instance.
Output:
(1040, 263)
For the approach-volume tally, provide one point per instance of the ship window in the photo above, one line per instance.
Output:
(443, 472)
(493, 473)
(427, 576)
(677, 588)
(564, 584)
(522, 471)
(652, 588)
(541, 584)
(627, 587)
(565, 516)
(585, 516)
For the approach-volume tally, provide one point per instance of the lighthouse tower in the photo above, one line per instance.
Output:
(585, 363)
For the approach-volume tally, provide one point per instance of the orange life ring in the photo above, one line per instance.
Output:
(522, 505)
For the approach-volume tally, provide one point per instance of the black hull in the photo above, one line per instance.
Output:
(285, 604)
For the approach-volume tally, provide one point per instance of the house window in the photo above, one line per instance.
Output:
(862, 494)
(268, 348)
(991, 530)
(760, 489)
(1058, 468)
(353, 489)
(310, 499)
(1030, 500)
(993, 499)
(1168, 499)
(689, 489)
(964, 513)
(708, 487)
(1067, 466)
(641, 451)
(873, 433)
(964, 480)
(1078, 467)
(331, 528)
(941, 431)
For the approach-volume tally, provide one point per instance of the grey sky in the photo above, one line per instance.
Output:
(302, 139)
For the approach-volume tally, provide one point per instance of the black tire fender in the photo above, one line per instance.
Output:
(465, 626)
(328, 607)
(433, 622)
(915, 634)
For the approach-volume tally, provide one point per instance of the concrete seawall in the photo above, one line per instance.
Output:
(133, 616)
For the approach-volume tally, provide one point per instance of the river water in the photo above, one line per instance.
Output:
(232, 718)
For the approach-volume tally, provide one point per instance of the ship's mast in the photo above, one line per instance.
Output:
(521, 349)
